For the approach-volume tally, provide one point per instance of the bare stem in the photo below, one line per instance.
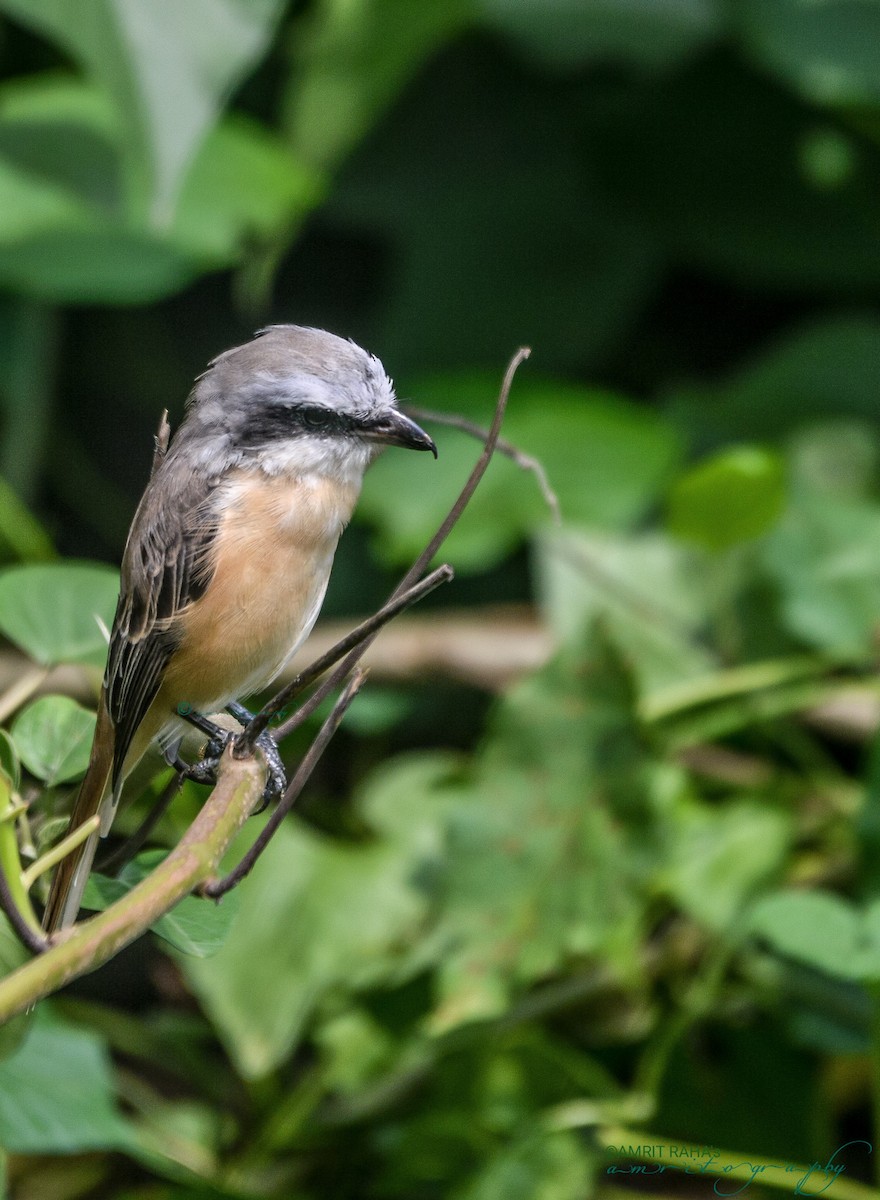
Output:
(217, 888)
(367, 629)
(526, 462)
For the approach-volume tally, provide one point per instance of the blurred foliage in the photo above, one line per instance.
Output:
(622, 920)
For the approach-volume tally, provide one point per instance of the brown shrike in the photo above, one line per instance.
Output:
(230, 549)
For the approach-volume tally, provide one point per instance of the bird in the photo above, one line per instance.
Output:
(230, 550)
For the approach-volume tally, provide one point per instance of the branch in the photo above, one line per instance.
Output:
(366, 630)
(217, 888)
(526, 462)
(193, 862)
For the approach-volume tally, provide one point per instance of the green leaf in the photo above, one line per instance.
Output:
(194, 926)
(12, 956)
(10, 768)
(168, 66)
(536, 1165)
(824, 370)
(733, 497)
(88, 264)
(218, 217)
(56, 1093)
(570, 33)
(52, 611)
(607, 459)
(648, 592)
(825, 558)
(63, 130)
(19, 528)
(822, 930)
(352, 60)
(544, 836)
(53, 737)
(829, 51)
(719, 858)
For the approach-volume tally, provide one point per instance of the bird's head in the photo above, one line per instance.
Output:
(300, 399)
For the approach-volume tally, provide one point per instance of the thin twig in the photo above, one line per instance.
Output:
(525, 462)
(315, 670)
(220, 887)
(421, 564)
(29, 937)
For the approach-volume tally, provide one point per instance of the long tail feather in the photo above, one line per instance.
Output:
(73, 871)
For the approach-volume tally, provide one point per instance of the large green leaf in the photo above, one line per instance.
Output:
(53, 737)
(650, 594)
(352, 60)
(56, 1093)
(30, 207)
(829, 51)
(194, 926)
(89, 262)
(62, 130)
(569, 33)
(168, 66)
(825, 557)
(52, 611)
(823, 930)
(244, 186)
(733, 497)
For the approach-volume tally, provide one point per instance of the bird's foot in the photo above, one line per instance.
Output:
(276, 778)
(205, 770)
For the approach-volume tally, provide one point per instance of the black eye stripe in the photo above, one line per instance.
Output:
(315, 418)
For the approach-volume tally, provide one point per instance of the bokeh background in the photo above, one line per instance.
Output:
(586, 892)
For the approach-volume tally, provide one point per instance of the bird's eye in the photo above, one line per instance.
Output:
(316, 418)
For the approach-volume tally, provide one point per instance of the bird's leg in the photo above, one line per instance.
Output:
(276, 780)
(205, 770)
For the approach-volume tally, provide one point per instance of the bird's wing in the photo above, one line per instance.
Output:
(167, 565)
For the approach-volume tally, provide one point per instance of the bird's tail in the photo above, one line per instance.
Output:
(72, 872)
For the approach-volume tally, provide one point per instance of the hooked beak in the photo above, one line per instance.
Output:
(395, 429)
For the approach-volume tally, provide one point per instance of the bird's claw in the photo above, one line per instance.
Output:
(205, 770)
(276, 777)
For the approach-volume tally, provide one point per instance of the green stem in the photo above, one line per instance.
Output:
(724, 685)
(10, 863)
(61, 850)
(192, 863)
(636, 1145)
(874, 1057)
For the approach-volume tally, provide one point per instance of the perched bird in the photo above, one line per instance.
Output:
(230, 549)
